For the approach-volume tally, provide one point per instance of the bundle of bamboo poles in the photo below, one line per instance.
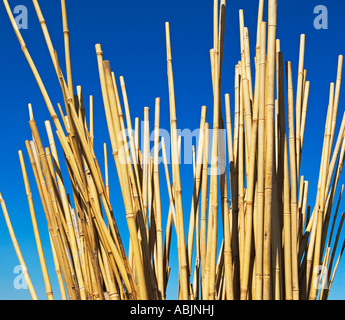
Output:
(273, 245)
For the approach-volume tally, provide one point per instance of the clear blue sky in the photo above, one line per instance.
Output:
(132, 36)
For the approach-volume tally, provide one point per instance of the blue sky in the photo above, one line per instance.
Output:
(132, 36)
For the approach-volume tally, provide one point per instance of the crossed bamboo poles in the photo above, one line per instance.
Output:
(273, 242)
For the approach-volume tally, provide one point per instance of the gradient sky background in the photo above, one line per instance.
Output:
(132, 35)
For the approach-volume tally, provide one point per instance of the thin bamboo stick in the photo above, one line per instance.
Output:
(294, 184)
(49, 291)
(304, 114)
(196, 188)
(335, 217)
(17, 249)
(269, 122)
(33, 68)
(91, 125)
(203, 210)
(334, 272)
(106, 170)
(251, 185)
(334, 249)
(158, 209)
(183, 266)
(299, 101)
(260, 164)
(321, 202)
(67, 48)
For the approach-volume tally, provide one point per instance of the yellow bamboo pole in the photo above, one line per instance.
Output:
(91, 125)
(33, 68)
(203, 209)
(294, 190)
(196, 188)
(106, 170)
(158, 209)
(321, 200)
(299, 101)
(17, 249)
(67, 48)
(251, 186)
(183, 266)
(49, 291)
(260, 170)
(269, 122)
(334, 272)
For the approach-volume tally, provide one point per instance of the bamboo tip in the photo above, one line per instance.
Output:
(98, 49)
(31, 114)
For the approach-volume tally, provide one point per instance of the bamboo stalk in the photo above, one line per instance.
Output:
(334, 249)
(106, 171)
(183, 266)
(17, 249)
(334, 271)
(33, 68)
(251, 184)
(203, 210)
(196, 188)
(49, 291)
(260, 164)
(91, 125)
(67, 48)
(299, 101)
(269, 122)
(158, 210)
(293, 197)
(321, 202)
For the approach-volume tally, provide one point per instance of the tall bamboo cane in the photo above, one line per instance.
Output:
(17, 249)
(183, 266)
(269, 107)
(47, 283)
